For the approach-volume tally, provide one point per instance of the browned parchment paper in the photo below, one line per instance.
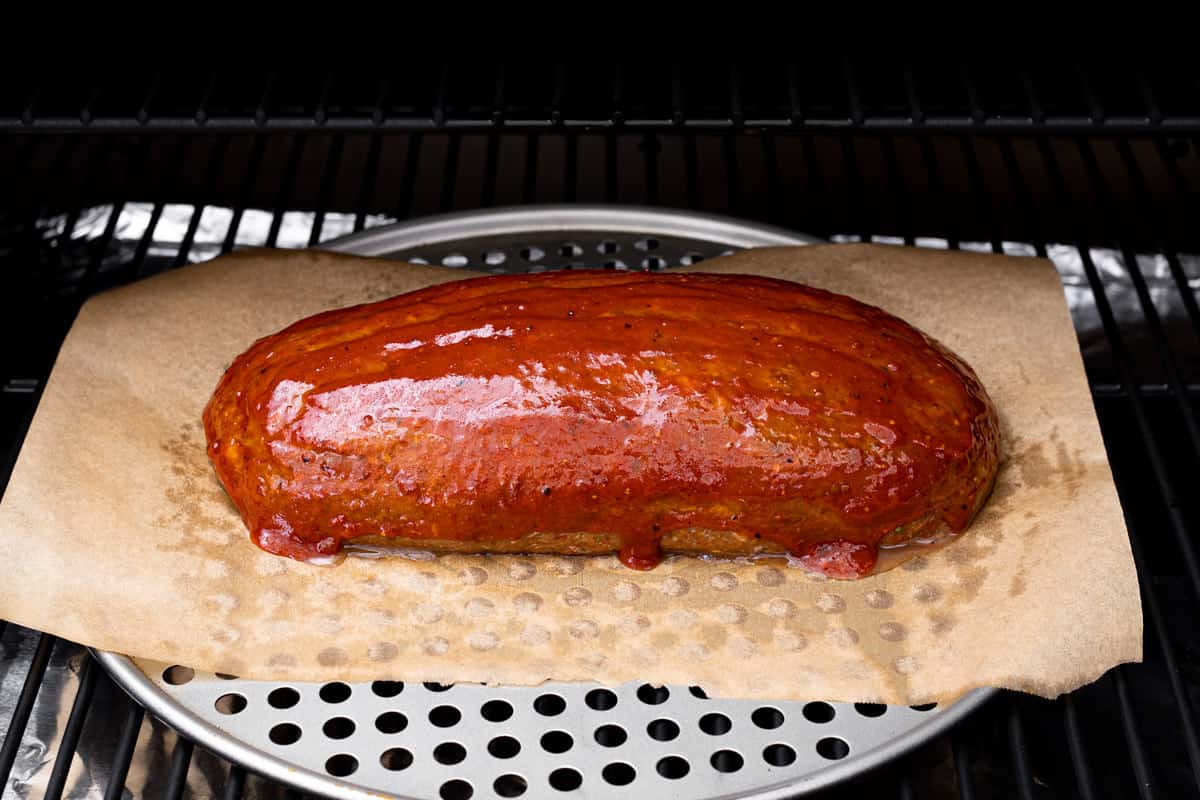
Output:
(121, 537)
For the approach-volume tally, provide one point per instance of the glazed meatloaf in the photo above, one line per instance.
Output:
(599, 412)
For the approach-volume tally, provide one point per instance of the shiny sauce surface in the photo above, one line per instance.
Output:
(626, 403)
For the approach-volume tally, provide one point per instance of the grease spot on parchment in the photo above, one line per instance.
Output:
(769, 576)
(790, 641)
(479, 607)
(1016, 586)
(905, 665)
(915, 564)
(224, 636)
(383, 651)
(483, 640)
(437, 646)
(194, 489)
(723, 582)
(674, 587)
(892, 632)
(281, 661)
(970, 581)
(521, 570)
(425, 583)
(221, 604)
(968, 550)
(831, 603)
(380, 617)
(584, 629)
(940, 623)
(428, 613)
(926, 593)
(1032, 464)
(473, 576)
(568, 565)
(332, 657)
(1071, 467)
(780, 608)
(625, 592)
(732, 614)
(527, 602)
(842, 637)
(577, 596)
(878, 598)
(273, 599)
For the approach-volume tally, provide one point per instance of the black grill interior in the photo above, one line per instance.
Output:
(1079, 141)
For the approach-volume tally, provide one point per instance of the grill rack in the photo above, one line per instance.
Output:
(951, 73)
(1133, 733)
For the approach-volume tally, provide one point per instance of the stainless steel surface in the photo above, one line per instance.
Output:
(91, 769)
(813, 745)
(412, 740)
(549, 227)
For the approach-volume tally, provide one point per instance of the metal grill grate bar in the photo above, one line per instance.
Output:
(286, 186)
(409, 186)
(70, 738)
(251, 177)
(366, 192)
(962, 766)
(1020, 755)
(328, 175)
(123, 756)
(214, 167)
(235, 784)
(1137, 753)
(1077, 749)
(181, 760)
(24, 707)
(449, 174)
(1025, 199)
(170, 178)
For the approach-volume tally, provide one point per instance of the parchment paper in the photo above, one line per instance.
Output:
(120, 536)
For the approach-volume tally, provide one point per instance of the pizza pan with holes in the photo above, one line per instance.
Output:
(360, 740)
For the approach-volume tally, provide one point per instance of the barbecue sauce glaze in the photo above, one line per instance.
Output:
(627, 403)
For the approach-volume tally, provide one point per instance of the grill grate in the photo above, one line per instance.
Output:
(1087, 156)
(953, 73)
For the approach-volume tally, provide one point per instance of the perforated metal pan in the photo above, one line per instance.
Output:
(568, 739)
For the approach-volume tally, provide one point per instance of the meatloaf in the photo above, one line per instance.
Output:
(589, 412)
